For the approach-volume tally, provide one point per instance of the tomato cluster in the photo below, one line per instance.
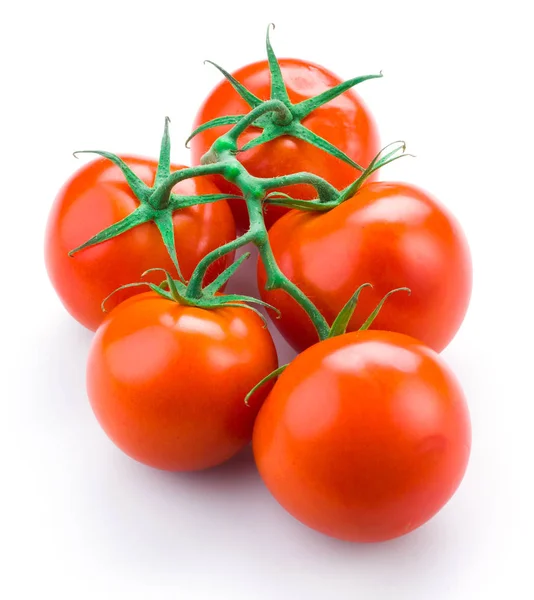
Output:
(366, 434)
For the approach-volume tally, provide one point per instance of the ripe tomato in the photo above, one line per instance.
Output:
(167, 382)
(364, 437)
(389, 234)
(344, 121)
(96, 197)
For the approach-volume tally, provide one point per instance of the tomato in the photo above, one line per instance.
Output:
(167, 382)
(390, 235)
(344, 121)
(364, 437)
(96, 197)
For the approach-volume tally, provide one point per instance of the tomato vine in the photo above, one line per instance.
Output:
(276, 117)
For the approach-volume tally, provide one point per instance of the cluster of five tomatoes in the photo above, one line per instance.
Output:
(365, 436)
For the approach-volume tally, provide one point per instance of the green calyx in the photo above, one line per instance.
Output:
(210, 296)
(340, 324)
(156, 203)
(261, 383)
(388, 154)
(290, 122)
(339, 327)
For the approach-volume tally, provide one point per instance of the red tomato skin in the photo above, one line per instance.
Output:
(97, 196)
(345, 122)
(390, 235)
(167, 382)
(364, 437)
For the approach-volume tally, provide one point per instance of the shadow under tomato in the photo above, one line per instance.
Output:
(222, 519)
(228, 473)
(57, 359)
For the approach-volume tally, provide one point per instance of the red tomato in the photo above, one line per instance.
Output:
(364, 437)
(98, 196)
(167, 382)
(344, 121)
(389, 234)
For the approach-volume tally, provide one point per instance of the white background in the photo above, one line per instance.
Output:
(79, 519)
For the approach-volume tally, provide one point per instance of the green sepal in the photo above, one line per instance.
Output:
(176, 202)
(278, 86)
(164, 164)
(210, 291)
(268, 135)
(304, 205)
(279, 124)
(176, 288)
(369, 321)
(339, 326)
(267, 378)
(218, 122)
(139, 188)
(251, 99)
(223, 278)
(156, 204)
(286, 201)
(140, 215)
(209, 299)
(325, 191)
(165, 224)
(304, 108)
(155, 288)
(303, 133)
(380, 160)
(277, 195)
(384, 157)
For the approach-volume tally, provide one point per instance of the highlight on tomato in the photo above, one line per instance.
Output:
(331, 132)
(364, 437)
(389, 234)
(167, 375)
(114, 219)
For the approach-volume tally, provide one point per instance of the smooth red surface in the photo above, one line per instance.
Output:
(345, 122)
(168, 382)
(364, 437)
(97, 196)
(390, 235)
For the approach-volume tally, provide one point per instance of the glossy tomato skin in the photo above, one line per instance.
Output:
(167, 382)
(96, 197)
(364, 437)
(390, 235)
(345, 122)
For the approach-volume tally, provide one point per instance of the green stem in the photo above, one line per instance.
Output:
(221, 159)
(194, 287)
(253, 191)
(275, 277)
(166, 187)
(326, 191)
(274, 118)
(277, 280)
(277, 107)
(225, 147)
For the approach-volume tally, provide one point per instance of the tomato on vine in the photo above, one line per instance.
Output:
(116, 219)
(389, 234)
(329, 131)
(364, 437)
(167, 375)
